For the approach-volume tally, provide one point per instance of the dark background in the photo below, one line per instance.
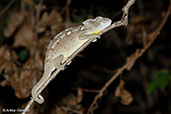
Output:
(93, 67)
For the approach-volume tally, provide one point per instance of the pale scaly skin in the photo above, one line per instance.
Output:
(64, 45)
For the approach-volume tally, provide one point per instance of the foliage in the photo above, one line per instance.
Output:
(161, 81)
(23, 55)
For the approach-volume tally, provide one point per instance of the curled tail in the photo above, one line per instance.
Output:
(49, 68)
(34, 92)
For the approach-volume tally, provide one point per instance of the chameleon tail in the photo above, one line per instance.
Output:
(47, 73)
(34, 92)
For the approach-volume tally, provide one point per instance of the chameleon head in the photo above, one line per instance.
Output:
(98, 24)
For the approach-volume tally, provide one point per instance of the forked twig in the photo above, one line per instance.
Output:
(132, 59)
(124, 19)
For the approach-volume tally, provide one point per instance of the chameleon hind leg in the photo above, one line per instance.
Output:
(41, 84)
(58, 62)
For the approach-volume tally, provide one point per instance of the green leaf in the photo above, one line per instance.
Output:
(101, 12)
(23, 55)
(161, 80)
(36, 1)
(78, 20)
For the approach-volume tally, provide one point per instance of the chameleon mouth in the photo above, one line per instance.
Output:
(95, 32)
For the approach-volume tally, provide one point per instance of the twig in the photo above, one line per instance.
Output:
(7, 7)
(36, 23)
(67, 15)
(124, 19)
(66, 7)
(26, 109)
(38, 11)
(87, 90)
(132, 60)
(72, 110)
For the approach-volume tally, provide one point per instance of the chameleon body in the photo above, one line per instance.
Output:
(66, 44)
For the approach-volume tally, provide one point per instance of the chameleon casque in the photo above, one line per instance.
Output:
(66, 44)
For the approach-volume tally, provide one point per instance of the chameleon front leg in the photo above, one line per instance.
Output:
(92, 36)
(49, 68)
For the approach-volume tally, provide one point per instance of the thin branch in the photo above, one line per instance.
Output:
(6, 8)
(87, 90)
(124, 19)
(66, 7)
(26, 109)
(67, 15)
(38, 11)
(131, 60)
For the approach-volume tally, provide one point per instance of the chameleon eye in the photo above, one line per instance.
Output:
(98, 18)
(101, 23)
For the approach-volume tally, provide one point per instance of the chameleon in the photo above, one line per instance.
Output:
(66, 44)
